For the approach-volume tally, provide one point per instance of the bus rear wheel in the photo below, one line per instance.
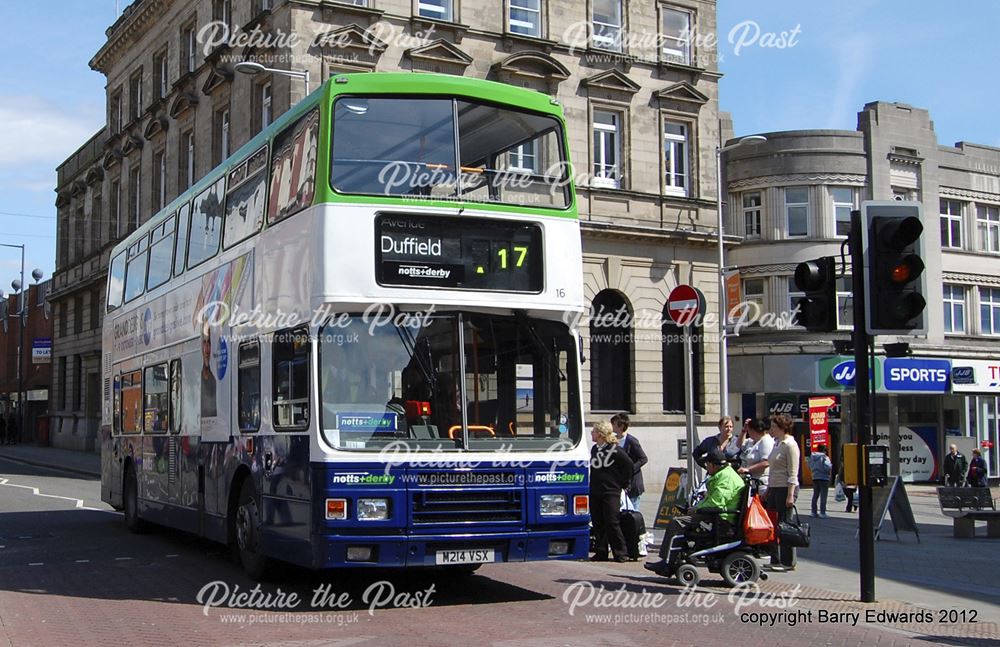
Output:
(248, 527)
(131, 503)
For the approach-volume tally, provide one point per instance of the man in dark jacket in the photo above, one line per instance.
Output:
(610, 473)
(955, 467)
(630, 444)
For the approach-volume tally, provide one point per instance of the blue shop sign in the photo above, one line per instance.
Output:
(920, 375)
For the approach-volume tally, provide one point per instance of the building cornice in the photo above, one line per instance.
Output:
(971, 279)
(133, 22)
(798, 178)
(968, 194)
(677, 236)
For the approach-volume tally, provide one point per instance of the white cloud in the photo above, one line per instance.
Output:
(37, 131)
(853, 55)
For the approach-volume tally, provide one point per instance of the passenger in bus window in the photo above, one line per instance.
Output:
(208, 406)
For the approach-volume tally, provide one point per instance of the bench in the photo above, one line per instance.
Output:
(966, 506)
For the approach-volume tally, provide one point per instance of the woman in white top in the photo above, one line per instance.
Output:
(783, 481)
(756, 451)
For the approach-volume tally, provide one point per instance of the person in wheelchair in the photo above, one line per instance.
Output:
(721, 504)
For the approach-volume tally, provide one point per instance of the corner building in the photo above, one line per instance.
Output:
(642, 112)
(790, 199)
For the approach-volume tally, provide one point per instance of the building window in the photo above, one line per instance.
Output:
(189, 49)
(96, 215)
(222, 11)
(159, 179)
(64, 382)
(954, 308)
(797, 210)
(116, 112)
(607, 149)
(78, 314)
(523, 158)
(676, 36)
(672, 353)
(989, 311)
(95, 309)
(135, 195)
(751, 214)
(266, 5)
(115, 205)
(675, 157)
(222, 131)
(526, 17)
(753, 293)
(160, 74)
(845, 302)
(607, 24)
(77, 382)
(988, 224)
(951, 224)
(78, 229)
(793, 296)
(135, 94)
(610, 353)
(265, 105)
(843, 204)
(436, 9)
(185, 176)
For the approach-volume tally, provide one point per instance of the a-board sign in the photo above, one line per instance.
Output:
(673, 499)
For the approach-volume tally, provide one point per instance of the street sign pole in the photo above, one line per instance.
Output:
(862, 342)
(694, 476)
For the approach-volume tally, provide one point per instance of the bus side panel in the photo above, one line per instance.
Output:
(286, 496)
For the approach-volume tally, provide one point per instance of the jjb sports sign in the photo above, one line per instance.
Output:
(891, 375)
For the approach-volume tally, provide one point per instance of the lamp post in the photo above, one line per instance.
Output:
(723, 365)
(253, 67)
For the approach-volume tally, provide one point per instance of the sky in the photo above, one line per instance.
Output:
(837, 56)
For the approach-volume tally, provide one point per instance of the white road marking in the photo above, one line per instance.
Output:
(168, 556)
(83, 561)
(122, 559)
(79, 503)
(36, 564)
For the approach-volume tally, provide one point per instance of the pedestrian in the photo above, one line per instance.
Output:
(977, 470)
(821, 467)
(724, 440)
(848, 490)
(632, 447)
(783, 483)
(610, 473)
(955, 467)
(629, 443)
(757, 448)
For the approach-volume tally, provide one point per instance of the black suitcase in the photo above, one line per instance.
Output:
(633, 527)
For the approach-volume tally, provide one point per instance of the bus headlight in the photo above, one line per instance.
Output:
(552, 505)
(373, 509)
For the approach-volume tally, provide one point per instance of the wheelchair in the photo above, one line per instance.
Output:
(721, 548)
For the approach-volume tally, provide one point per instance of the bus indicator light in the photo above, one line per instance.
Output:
(336, 509)
(581, 504)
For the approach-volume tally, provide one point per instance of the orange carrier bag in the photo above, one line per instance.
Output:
(757, 526)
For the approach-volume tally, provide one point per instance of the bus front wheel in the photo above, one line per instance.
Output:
(248, 526)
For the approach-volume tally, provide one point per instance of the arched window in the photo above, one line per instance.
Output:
(611, 353)
(673, 366)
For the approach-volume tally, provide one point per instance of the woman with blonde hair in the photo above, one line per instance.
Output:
(783, 482)
(610, 473)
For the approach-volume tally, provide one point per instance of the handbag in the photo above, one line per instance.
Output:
(838, 492)
(757, 526)
(792, 531)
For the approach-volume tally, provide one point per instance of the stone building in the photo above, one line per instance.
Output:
(641, 102)
(791, 199)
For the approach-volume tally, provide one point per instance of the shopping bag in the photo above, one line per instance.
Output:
(838, 492)
(757, 526)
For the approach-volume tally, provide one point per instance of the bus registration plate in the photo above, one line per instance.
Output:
(470, 556)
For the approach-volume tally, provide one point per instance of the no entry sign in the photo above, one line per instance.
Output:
(684, 304)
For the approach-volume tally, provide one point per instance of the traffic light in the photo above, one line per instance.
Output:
(894, 270)
(817, 310)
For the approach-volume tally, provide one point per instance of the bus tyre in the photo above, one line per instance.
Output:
(248, 527)
(131, 503)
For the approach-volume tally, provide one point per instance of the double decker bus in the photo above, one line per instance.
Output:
(347, 345)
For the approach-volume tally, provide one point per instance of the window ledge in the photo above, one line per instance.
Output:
(546, 44)
(458, 30)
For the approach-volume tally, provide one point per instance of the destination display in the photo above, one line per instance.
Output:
(463, 253)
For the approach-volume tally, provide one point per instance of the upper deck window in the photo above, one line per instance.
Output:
(399, 146)
(206, 224)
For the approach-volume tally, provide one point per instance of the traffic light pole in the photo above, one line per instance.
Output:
(862, 342)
